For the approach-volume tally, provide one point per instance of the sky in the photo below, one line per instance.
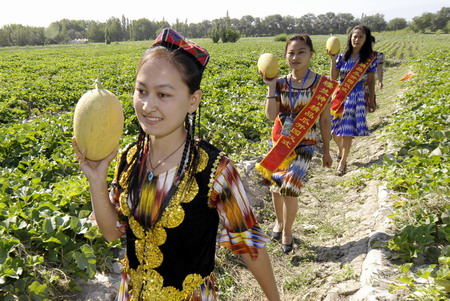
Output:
(41, 13)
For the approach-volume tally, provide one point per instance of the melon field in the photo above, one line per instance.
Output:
(49, 249)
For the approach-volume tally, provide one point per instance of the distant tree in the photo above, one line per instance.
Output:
(125, 28)
(343, 22)
(308, 24)
(215, 33)
(4, 38)
(18, 35)
(52, 32)
(247, 26)
(222, 29)
(113, 30)
(441, 19)
(273, 24)
(397, 24)
(375, 22)
(447, 27)
(422, 23)
(326, 23)
(96, 32)
(142, 29)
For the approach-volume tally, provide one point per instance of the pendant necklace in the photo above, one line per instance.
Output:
(150, 174)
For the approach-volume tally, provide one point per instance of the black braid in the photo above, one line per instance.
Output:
(198, 120)
(136, 178)
(187, 166)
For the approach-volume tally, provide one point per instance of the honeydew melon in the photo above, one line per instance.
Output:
(268, 65)
(98, 122)
(333, 45)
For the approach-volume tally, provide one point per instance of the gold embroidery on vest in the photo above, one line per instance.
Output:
(147, 283)
(212, 177)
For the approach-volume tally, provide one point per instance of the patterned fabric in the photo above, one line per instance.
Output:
(380, 58)
(171, 37)
(353, 122)
(289, 180)
(240, 233)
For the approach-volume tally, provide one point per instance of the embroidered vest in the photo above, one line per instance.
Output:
(174, 257)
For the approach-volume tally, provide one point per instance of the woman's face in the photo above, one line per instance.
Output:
(358, 39)
(298, 55)
(162, 99)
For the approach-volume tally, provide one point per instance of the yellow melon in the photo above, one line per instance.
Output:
(333, 45)
(268, 65)
(98, 122)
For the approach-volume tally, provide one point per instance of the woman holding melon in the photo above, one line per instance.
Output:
(299, 105)
(349, 106)
(171, 191)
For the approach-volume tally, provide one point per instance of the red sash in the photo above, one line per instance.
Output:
(347, 86)
(285, 145)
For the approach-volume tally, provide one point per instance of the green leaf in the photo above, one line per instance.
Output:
(37, 289)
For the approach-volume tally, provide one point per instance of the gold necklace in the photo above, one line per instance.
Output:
(150, 174)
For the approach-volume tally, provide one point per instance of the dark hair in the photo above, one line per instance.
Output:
(366, 49)
(300, 37)
(191, 74)
(189, 69)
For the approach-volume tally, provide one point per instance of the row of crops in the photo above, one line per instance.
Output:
(418, 174)
(47, 239)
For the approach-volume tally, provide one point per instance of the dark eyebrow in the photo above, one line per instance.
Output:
(160, 86)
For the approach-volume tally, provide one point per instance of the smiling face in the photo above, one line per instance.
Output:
(358, 39)
(298, 54)
(162, 99)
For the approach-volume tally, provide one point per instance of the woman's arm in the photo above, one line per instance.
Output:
(334, 72)
(96, 172)
(371, 85)
(380, 72)
(272, 105)
(261, 269)
(325, 132)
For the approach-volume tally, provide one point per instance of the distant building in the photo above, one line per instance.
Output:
(78, 41)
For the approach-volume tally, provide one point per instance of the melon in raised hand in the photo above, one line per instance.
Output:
(268, 65)
(98, 122)
(333, 45)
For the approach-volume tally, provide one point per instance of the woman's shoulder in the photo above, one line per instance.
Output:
(208, 147)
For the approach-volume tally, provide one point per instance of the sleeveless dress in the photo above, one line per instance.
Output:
(353, 121)
(289, 180)
(172, 259)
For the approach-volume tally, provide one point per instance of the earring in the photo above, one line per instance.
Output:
(191, 117)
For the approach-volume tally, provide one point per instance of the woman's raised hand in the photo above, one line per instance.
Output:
(93, 170)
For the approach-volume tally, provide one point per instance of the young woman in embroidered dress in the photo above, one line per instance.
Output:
(171, 191)
(353, 120)
(286, 97)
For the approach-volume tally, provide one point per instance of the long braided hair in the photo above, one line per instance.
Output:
(191, 74)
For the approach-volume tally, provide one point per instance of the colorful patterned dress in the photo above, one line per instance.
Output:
(353, 122)
(288, 181)
(172, 258)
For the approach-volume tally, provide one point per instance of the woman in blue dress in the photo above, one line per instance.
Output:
(353, 121)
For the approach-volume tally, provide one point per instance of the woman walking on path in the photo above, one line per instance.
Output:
(170, 190)
(349, 105)
(299, 104)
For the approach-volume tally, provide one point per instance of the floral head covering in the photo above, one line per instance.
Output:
(172, 40)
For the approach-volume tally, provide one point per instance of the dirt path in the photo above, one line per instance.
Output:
(342, 223)
(341, 226)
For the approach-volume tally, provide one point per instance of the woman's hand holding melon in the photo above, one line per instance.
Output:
(93, 170)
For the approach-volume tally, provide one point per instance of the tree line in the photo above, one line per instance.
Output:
(226, 29)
